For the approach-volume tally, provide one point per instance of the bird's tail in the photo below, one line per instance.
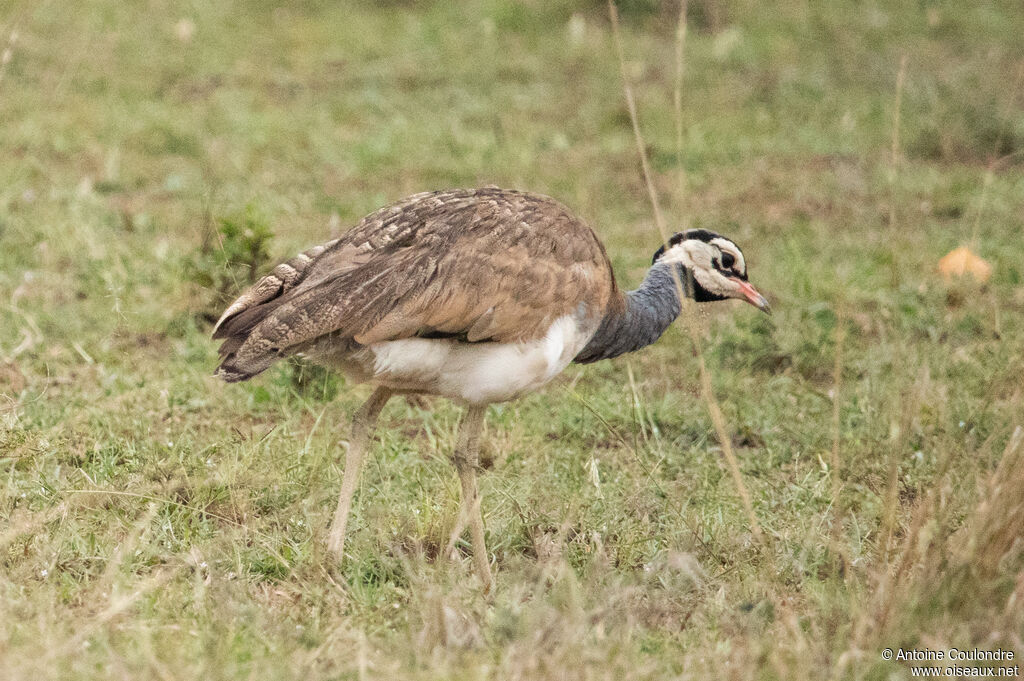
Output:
(244, 352)
(229, 373)
(248, 350)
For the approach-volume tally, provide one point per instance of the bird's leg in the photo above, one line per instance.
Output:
(363, 423)
(466, 460)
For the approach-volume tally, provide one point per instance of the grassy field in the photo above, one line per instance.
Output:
(155, 523)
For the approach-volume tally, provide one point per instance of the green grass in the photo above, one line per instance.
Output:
(155, 523)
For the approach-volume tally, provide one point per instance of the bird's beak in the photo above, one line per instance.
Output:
(750, 294)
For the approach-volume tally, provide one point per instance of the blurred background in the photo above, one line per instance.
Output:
(155, 157)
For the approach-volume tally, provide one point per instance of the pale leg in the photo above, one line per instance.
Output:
(466, 460)
(359, 441)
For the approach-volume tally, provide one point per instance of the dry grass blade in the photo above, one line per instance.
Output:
(266, 539)
(835, 473)
(26, 523)
(1000, 515)
(126, 547)
(8, 53)
(895, 146)
(117, 606)
(627, 89)
(934, 562)
(910, 402)
(677, 101)
(717, 418)
(639, 418)
(837, 389)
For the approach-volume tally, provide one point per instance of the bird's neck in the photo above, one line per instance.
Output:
(640, 318)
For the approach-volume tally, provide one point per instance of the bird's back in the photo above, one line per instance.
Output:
(477, 265)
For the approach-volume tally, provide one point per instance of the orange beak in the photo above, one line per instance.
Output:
(751, 295)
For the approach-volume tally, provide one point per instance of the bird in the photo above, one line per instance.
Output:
(477, 295)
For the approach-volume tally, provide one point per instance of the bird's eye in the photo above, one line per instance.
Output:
(728, 260)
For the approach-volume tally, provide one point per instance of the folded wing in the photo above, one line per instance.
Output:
(479, 265)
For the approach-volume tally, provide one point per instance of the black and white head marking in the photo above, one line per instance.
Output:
(712, 265)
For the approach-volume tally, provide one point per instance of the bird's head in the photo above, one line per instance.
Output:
(711, 267)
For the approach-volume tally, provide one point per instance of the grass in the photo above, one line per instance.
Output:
(159, 524)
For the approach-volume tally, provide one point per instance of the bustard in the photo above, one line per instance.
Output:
(477, 295)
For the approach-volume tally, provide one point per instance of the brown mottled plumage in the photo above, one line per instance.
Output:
(480, 295)
(483, 264)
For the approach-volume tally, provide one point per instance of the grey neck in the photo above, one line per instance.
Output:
(648, 312)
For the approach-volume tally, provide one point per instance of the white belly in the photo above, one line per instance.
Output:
(477, 373)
